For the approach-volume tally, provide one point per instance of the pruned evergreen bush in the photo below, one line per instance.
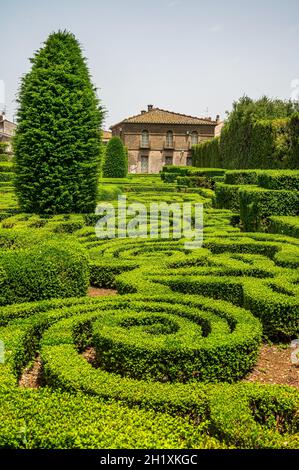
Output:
(57, 142)
(116, 159)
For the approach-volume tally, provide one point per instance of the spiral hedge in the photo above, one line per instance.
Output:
(170, 350)
(239, 415)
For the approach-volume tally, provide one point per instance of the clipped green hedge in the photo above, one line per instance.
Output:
(241, 177)
(253, 138)
(6, 167)
(136, 343)
(85, 423)
(238, 413)
(191, 171)
(284, 225)
(227, 196)
(257, 204)
(116, 159)
(53, 268)
(243, 415)
(244, 269)
(279, 179)
(207, 154)
(6, 177)
(267, 143)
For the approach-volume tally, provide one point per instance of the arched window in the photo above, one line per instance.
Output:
(194, 138)
(169, 139)
(144, 139)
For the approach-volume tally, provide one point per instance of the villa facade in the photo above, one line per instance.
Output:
(157, 137)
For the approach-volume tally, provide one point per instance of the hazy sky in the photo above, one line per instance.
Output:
(181, 55)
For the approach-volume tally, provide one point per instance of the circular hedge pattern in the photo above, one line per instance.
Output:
(156, 339)
(186, 327)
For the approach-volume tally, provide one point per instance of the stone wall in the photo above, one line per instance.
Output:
(157, 152)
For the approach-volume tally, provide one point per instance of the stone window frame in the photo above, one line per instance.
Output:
(194, 138)
(145, 137)
(169, 138)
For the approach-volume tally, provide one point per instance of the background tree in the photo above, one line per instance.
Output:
(116, 159)
(57, 142)
(253, 132)
(4, 156)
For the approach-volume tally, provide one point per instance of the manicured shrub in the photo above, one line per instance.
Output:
(241, 177)
(184, 320)
(194, 182)
(237, 413)
(279, 179)
(6, 167)
(284, 225)
(257, 204)
(227, 196)
(51, 269)
(207, 154)
(191, 171)
(109, 192)
(85, 423)
(4, 155)
(136, 344)
(116, 159)
(245, 415)
(57, 142)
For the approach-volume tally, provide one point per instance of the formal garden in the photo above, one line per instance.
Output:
(163, 356)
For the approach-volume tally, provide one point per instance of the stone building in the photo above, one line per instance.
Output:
(219, 128)
(106, 136)
(7, 130)
(156, 137)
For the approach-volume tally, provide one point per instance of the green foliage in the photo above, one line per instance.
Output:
(258, 204)
(207, 154)
(57, 142)
(116, 159)
(4, 155)
(284, 225)
(90, 424)
(241, 177)
(227, 196)
(238, 412)
(184, 321)
(279, 179)
(109, 192)
(53, 268)
(257, 134)
(294, 141)
(245, 415)
(191, 171)
(168, 343)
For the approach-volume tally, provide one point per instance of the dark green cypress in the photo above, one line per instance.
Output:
(58, 141)
(116, 159)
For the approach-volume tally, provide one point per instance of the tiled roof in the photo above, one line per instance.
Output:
(161, 116)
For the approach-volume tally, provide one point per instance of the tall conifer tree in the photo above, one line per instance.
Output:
(58, 140)
(116, 159)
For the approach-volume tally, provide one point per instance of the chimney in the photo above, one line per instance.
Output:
(150, 107)
(217, 118)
